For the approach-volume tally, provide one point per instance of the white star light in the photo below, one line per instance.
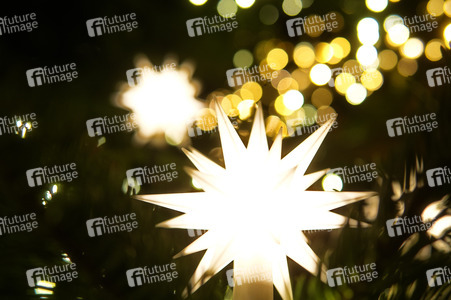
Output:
(255, 209)
(163, 102)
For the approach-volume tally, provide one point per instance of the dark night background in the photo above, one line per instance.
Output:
(61, 137)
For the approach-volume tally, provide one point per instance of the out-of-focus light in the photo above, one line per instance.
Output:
(292, 7)
(293, 100)
(41, 291)
(376, 5)
(332, 182)
(277, 59)
(433, 50)
(343, 81)
(245, 3)
(324, 114)
(198, 2)
(435, 7)
(398, 34)
(310, 114)
(304, 55)
(368, 31)
(273, 125)
(320, 74)
(163, 102)
(254, 88)
(412, 48)
(230, 105)
(302, 78)
(287, 84)
(206, 119)
(447, 35)
(387, 59)
(407, 67)
(243, 58)
(227, 8)
(372, 79)
(366, 55)
(447, 8)
(440, 227)
(391, 21)
(323, 52)
(343, 44)
(281, 108)
(321, 97)
(269, 14)
(356, 94)
(246, 109)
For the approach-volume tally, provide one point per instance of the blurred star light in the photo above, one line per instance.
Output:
(163, 103)
(255, 209)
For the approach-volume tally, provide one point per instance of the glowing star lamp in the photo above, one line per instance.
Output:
(255, 209)
(163, 102)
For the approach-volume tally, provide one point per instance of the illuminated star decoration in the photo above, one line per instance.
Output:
(255, 209)
(163, 102)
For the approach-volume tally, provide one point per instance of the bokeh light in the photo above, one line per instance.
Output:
(293, 100)
(227, 8)
(292, 7)
(246, 109)
(269, 14)
(387, 59)
(254, 89)
(435, 7)
(332, 182)
(273, 125)
(391, 21)
(356, 94)
(198, 2)
(412, 48)
(243, 58)
(368, 31)
(277, 59)
(323, 52)
(304, 55)
(343, 82)
(366, 55)
(398, 35)
(372, 79)
(447, 35)
(407, 67)
(376, 5)
(321, 97)
(320, 74)
(245, 3)
(433, 50)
